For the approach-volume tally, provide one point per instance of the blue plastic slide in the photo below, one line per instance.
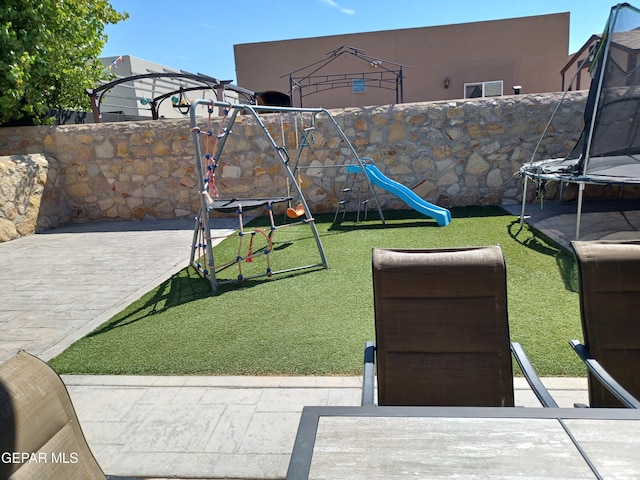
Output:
(439, 214)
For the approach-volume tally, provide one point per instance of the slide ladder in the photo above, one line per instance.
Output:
(441, 215)
(357, 187)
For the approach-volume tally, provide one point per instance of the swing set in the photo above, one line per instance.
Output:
(208, 151)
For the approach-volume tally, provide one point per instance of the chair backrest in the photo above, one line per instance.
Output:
(442, 331)
(40, 436)
(609, 274)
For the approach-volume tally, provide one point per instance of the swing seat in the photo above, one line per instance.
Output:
(295, 212)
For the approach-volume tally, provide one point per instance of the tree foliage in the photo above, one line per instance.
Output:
(49, 55)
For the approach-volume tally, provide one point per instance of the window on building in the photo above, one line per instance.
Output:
(358, 85)
(483, 89)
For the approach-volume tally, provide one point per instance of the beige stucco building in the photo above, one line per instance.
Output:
(430, 63)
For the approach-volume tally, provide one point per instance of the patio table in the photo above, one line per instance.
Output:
(466, 442)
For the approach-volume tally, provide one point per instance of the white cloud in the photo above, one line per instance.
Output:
(334, 4)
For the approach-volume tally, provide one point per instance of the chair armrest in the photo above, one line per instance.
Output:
(603, 376)
(368, 377)
(532, 377)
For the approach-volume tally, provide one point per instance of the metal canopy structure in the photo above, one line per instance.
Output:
(153, 88)
(311, 82)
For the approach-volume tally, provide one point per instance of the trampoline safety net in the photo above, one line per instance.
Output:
(608, 150)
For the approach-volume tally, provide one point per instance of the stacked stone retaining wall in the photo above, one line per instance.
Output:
(454, 153)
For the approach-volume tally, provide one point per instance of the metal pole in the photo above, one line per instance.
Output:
(594, 114)
(524, 199)
(204, 208)
(291, 89)
(579, 212)
(362, 167)
(155, 110)
(95, 107)
(300, 94)
(284, 160)
(219, 93)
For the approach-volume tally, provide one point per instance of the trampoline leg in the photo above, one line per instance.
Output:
(579, 212)
(524, 199)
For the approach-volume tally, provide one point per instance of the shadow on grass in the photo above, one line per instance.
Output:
(233, 285)
(345, 226)
(533, 239)
(536, 240)
(476, 212)
(569, 270)
(183, 287)
(412, 219)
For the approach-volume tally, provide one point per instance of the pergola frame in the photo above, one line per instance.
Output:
(173, 83)
(311, 82)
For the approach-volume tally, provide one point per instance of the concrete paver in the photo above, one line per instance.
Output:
(221, 427)
(57, 287)
(600, 219)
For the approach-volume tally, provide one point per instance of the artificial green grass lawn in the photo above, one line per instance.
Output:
(315, 322)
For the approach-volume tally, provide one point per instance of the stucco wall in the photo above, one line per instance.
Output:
(512, 50)
(455, 153)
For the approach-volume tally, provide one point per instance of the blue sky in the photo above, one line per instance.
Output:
(198, 35)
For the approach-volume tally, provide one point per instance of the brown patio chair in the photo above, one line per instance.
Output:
(442, 331)
(609, 273)
(40, 436)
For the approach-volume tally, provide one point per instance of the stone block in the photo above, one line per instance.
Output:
(476, 164)
(397, 132)
(7, 230)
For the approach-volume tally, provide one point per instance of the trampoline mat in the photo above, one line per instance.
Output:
(232, 204)
(613, 169)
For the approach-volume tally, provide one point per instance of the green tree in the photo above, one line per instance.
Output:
(49, 55)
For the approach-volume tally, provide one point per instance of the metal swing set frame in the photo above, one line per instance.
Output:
(202, 254)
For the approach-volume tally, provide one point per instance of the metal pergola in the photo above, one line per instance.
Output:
(153, 88)
(311, 82)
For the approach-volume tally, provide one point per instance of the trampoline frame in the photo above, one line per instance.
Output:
(536, 170)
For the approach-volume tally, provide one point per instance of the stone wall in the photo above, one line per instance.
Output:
(454, 153)
(26, 204)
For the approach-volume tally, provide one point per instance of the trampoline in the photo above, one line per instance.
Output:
(608, 150)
